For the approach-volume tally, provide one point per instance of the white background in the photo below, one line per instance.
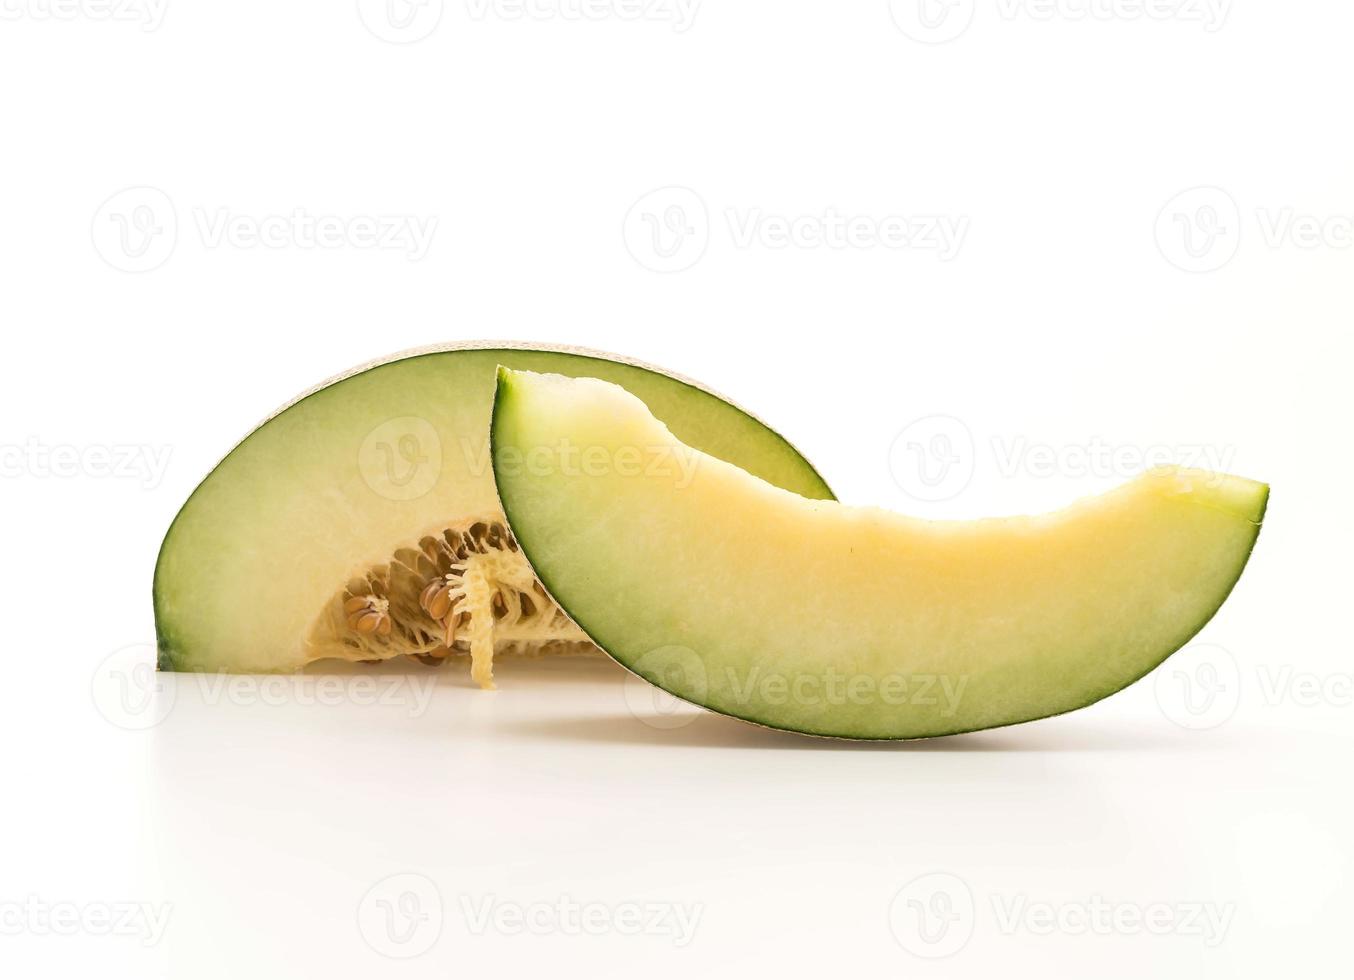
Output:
(1154, 203)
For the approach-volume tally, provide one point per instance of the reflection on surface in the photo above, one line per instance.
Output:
(557, 785)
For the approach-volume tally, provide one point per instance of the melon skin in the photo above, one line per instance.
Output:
(814, 617)
(321, 491)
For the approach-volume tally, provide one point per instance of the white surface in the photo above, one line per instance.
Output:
(536, 156)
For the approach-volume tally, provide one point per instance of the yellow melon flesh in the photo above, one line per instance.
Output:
(817, 617)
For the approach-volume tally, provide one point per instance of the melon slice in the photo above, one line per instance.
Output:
(361, 521)
(817, 617)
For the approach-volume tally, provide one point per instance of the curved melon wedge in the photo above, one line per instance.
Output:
(361, 522)
(846, 621)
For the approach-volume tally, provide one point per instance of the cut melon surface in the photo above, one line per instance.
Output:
(361, 521)
(816, 617)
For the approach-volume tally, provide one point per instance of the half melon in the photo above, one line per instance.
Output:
(802, 614)
(361, 521)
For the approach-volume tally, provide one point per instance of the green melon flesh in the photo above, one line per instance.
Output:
(378, 478)
(816, 617)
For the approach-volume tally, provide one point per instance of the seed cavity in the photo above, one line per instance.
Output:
(464, 590)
